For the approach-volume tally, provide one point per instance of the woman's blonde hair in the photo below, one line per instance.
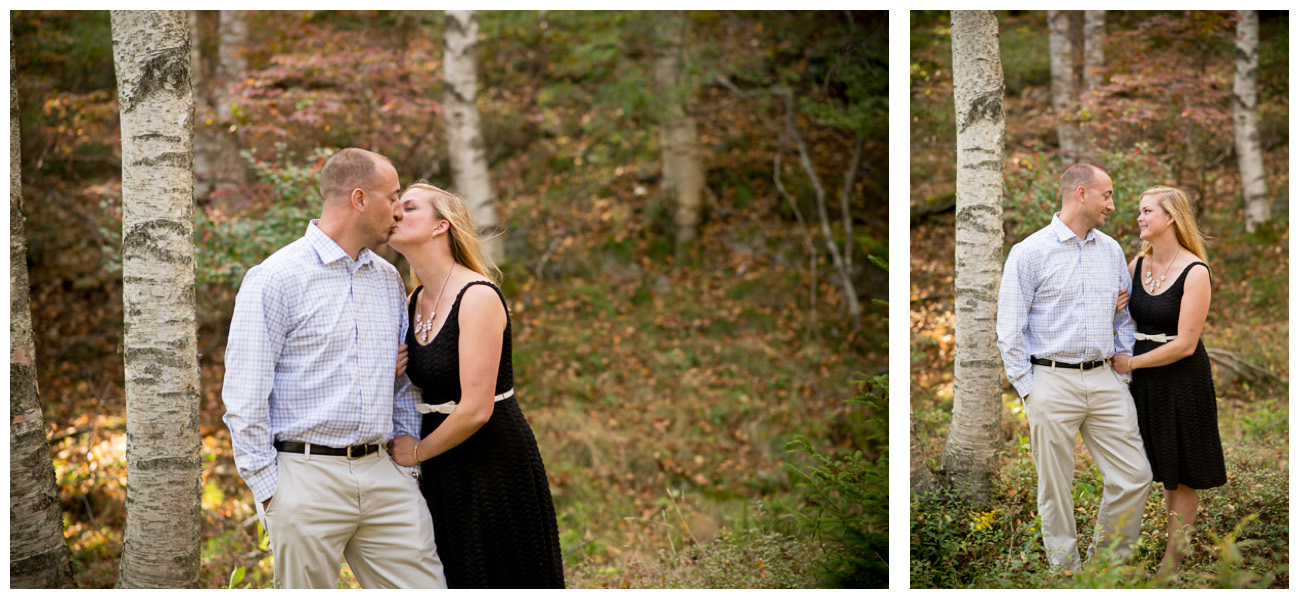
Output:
(466, 247)
(1174, 202)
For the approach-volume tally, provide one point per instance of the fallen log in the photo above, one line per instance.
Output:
(1241, 367)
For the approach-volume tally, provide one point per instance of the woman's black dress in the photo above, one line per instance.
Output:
(492, 511)
(1176, 408)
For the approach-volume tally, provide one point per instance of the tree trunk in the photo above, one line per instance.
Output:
(465, 146)
(38, 553)
(679, 141)
(207, 152)
(1245, 128)
(232, 36)
(1065, 98)
(229, 168)
(969, 455)
(1094, 55)
(151, 53)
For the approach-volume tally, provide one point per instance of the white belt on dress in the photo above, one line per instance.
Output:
(446, 407)
(1159, 337)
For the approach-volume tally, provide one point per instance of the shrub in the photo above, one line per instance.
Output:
(848, 499)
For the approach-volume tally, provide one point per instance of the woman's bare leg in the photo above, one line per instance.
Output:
(1181, 504)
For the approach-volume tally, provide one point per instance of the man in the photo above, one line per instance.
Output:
(1057, 326)
(309, 393)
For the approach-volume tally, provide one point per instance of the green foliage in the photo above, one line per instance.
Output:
(848, 498)
(1026, 59)
(226, 248)
(1033, 189)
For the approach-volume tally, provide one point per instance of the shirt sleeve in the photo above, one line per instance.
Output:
(1015, 296)
(1124, 324)
(405, 418)
(257, 335)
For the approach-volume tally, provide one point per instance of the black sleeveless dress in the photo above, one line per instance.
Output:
(1176, 407)
(492, 511)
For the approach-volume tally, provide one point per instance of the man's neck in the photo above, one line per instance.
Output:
(340, 231)
(1076, 224)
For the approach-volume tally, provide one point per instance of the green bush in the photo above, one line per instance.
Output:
(848, 498)
(1033, 190)
(226, 249)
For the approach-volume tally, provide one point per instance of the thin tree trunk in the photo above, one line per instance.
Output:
(846, 195)
(465, 146)
(232, 36)
(1065, 99)
(151, 52)
(679, 141)
(206, 149)
(1245, 127)
(1094, 55)
(819, 193)
(38, 552)
(230, 170)
(978, 90)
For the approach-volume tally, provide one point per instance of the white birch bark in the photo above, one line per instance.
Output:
(38, 552)
(679, 141)
(1245, 125)
(1094, 55)
(232, 36)
(206, 149)
(978, 93)
(465, 146)
(1065, 97)
(151, 53)
(229, 168)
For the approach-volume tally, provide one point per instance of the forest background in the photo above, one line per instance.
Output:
(1161, 115)
(707, 410)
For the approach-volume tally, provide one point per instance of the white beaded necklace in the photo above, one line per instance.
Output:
(1153, 285)
(422, 328)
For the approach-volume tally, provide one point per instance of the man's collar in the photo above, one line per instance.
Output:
(327, 249)
(1064, 233)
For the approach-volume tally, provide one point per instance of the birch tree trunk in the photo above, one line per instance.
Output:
(679, 141)
(1094, 55)
(151, 54)
(1065, 98)
(38, 553)
(465, 146)
(978, 90)
(1245, 127)
(206, 150)
(230, 170)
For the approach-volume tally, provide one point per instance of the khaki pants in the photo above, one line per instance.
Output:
(1096, 404)
(368, 510)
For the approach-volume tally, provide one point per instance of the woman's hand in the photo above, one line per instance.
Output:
(1120, 304)
(401, 359)
(402, 449)
(1122, 363)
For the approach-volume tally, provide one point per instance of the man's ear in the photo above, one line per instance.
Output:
(358, 199)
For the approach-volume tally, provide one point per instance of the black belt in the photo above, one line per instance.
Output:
(350, 452)
(1064, 365)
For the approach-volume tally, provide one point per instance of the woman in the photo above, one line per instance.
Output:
(1172, 386)
(483, 476)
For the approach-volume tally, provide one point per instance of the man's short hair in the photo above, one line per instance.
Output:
(1078, 174)
(348, 169)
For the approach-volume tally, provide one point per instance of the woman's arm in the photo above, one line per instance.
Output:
(482, 320)
(1191, 320)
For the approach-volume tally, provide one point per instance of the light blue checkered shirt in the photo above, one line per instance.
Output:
(312, 354)
(1057, 301)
